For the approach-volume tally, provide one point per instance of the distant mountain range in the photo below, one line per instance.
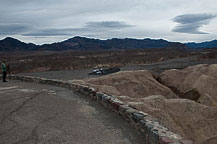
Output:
(82, 43)
(209, 44)
(11, 44)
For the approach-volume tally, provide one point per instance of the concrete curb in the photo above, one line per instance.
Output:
(145, 124)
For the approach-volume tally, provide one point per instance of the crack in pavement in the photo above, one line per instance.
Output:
(11, 128)
(26, 101)
(20, 106)
(9, 100)
(34, 136)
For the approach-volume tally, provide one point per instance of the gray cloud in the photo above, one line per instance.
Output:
(51, 32)
(90, 28)
(107, 24)
(191, 23)
(12, 29)
(190, 29)
(192, 18)
(42, 21)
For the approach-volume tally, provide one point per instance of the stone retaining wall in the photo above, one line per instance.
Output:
(146, 125)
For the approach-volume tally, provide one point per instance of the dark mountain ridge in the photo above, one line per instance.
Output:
(11, 44)
(207, 44)
(83, 43)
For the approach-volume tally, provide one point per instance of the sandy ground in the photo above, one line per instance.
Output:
(34, 113)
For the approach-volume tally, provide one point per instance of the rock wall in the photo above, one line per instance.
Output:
(146, 125)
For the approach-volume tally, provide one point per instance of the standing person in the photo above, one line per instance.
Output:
(4, 71)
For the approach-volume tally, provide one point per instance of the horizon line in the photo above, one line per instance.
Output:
(106, 40)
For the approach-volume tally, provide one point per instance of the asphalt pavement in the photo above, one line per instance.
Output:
(42, 114)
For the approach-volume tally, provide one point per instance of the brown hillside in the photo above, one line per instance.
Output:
(136, 84)
(186, 117)
(189, 118)
(202, 78)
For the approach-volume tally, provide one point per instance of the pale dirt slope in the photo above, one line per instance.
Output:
(193, 120)
(136, 84)
(202, 78)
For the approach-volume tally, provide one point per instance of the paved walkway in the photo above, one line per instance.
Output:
(42, 114)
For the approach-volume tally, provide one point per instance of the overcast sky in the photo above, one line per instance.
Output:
(47, 21)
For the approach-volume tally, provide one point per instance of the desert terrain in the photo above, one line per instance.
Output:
(41, 61)
(153, 63)
(178, 89)
(182, 100)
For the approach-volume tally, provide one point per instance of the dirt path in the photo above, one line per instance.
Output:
(33, 113)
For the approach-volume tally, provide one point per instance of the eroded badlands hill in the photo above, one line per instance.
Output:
(170, 98)
(136, 84)
(201, 78)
